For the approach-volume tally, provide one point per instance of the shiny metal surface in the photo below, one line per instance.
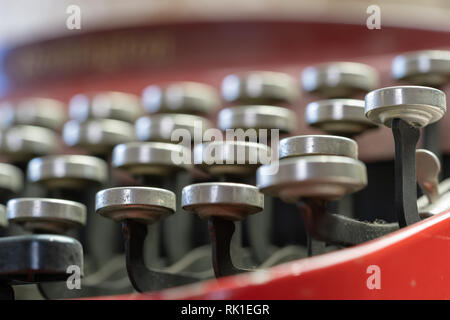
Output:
(441, 204)
(23, 142)
(425, 68)
(257, 117)
(181, 97)
(325, 177)
(11, 178)
(67, 170)
(339, 79)
(419, 106)
(53, 215)
(231, 157)
(159, 127)
(260, 87)
(41, 112)
(231, 201)
(146, 205)
(338, 116)
(97, 136)
(317, 145)
(428, 167)
(105, 105)
(155, 158)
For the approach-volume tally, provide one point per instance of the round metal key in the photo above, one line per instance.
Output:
(425, 68)
(143, 204)
(418, 106)
(159, 127)
(324, 177)
(338, 116)
(151, 158)
(43, 214)
(105, 105)
(67, 171)
(257, 117)
(22, 142)
(260, 87)
(41, 112)
(230, 201)
(231, 157)
(11, 178)
(3, 219)
(180, 97)
(97, 136)
(312, 145)
(339, 79)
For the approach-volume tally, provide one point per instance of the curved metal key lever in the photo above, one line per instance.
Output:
(338, 229)
(222, 203)
(135, 208)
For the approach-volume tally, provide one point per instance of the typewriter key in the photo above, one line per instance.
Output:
(135, 207)
(405, 109)
(180, 97)
(425, 68)
(159, 127)
(11, 179)
(339, 79)
(40, 112)
(97, 136)
(343, 117)
(257, 117)
(46, 215)
(260, 87)
(36, 259)
(222, 204)
(22, 143)
(105, 105)
(317, 145)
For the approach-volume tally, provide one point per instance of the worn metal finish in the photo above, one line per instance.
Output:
(159, 127)
(418, 106)
(105, 105)
(181, 97)
(50, 215)
(257, 117)
(426, 67)
(428, 167)
(325, 177)
(317, 145)
(11, 178)
(146, 205)
(339, 79)
(41, 112)
(152, 158)
(338, 116)
(38, 258)
(260, 87)
(98, 136)
(23, 142)
(67, 170)
(230, 201)
(231, 157)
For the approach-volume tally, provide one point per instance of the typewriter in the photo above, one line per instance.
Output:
(226, 160)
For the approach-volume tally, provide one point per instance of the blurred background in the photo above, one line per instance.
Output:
(127, 45)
